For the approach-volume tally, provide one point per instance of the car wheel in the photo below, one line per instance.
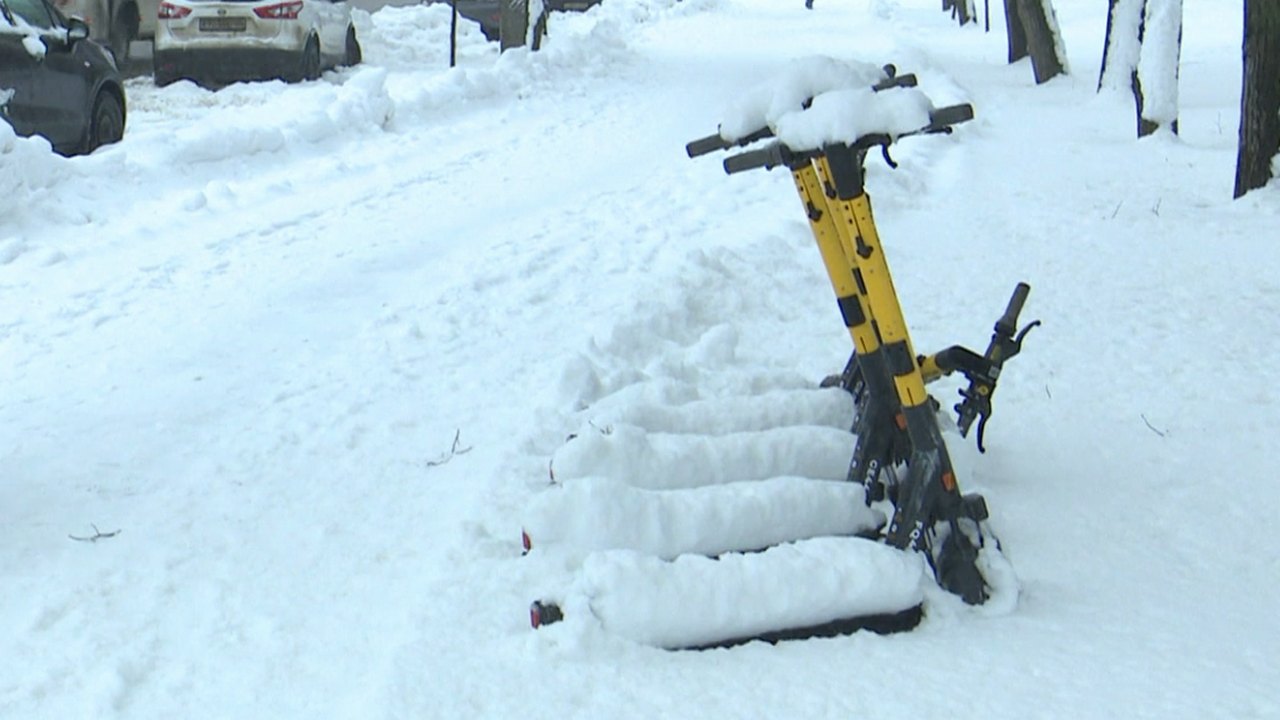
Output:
(309, 63)
(106, 124)
(354, 54)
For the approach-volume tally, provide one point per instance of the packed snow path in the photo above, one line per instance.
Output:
(245, 336)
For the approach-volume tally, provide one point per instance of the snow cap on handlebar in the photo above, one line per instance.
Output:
(791, 90)
(819, 100)
(845, 116)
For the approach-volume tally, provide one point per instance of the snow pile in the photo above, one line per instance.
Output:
(651, 503)
(29, 172)
(279, 121)
(605, 513)
(664, 461)
(697, 600)
(829, 407)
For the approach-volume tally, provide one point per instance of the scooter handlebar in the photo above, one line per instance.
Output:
(1008, 323)
(766, 158)
(951, 115)
(907, 80)
(711, 143)
(708, 144)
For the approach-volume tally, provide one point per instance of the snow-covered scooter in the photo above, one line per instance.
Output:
(900, 457)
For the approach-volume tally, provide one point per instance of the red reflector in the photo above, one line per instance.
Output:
(949, 481)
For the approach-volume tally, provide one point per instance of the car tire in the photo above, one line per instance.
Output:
(354, 55)
(106, 124)
(164, 78)
(309, 63)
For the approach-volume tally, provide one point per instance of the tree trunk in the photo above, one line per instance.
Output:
(513, 25)
(1017, 36)
(1043, 39)
(453, 33)
(1158, 66)
(1106, 40)
(1123, 44)
(1260, 96)
(538, 9)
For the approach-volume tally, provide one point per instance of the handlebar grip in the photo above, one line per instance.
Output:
(951, 115)
(908, 80)
(710, 143)
(1008, 323)
(766, 158)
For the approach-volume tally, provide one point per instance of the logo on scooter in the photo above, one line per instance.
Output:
(916, 533)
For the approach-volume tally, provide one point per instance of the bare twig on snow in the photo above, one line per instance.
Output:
(1151, 427)
(457, 449)
(97, 535)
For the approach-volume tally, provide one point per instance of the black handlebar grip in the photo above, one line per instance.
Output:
(1008, 323)
(908, 80)
(764, 158)
(710, 143)
(951, 115)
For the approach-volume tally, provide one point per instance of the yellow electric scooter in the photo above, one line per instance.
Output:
(900, 453)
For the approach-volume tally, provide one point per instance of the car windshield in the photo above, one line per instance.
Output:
(34, 12)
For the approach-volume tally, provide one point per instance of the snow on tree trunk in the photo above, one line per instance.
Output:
(1122, 47)
(1158, 66)
(1044, 39)
(538, 28)
(964, 11)
(1017, 36)
(1258, 160)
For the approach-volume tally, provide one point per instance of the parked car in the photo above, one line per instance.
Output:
(114, 23)
(488, 13)
(217, 41)
(55, 82)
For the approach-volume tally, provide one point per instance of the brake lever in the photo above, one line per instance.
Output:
(888, 159)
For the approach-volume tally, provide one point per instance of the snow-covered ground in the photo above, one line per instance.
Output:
(247, 337)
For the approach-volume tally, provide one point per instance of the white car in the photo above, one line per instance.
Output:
(220, 41)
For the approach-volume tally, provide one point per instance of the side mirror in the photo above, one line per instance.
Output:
(77, 30)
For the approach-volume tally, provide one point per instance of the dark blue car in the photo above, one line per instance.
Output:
(55, 82)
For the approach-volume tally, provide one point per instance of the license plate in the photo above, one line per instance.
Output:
(223, 24)
(577, 5)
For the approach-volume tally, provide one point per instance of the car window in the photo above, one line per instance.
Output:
(33, 11)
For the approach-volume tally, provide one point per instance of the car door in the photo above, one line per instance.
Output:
(51, 86)
(17, 68)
